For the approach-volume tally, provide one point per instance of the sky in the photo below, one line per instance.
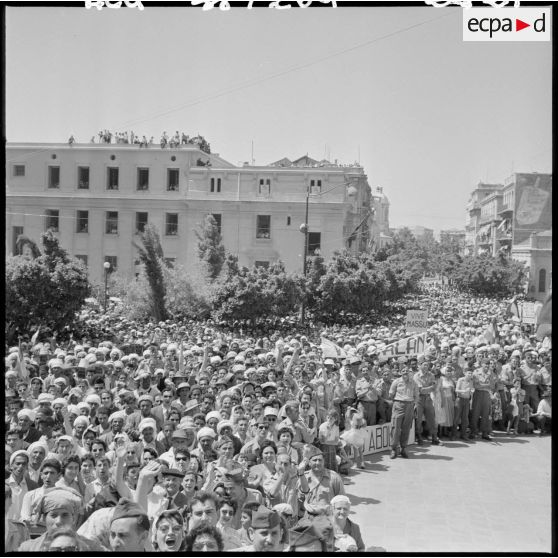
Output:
(427, 115)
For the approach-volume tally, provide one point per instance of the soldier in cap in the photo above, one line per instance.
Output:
(266, 532)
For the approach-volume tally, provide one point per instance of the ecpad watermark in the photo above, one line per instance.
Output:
(507, 24)
(113, 4)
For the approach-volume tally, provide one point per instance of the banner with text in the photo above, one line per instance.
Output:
(378, 438)
(528, 315)
(414, 345)
(416, 321)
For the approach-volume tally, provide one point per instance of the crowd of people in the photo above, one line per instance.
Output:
(174, 141)
(210, 436)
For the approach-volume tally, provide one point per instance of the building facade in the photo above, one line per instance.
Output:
(99, 197)
(514, 219)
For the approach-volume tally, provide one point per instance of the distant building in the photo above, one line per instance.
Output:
(99, 197)
(418, 231)
(515, 219)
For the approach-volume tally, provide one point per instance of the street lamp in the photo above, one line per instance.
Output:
(304, 231)
(106, 265)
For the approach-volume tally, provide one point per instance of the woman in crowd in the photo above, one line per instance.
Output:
(169, 532)
(204, 538)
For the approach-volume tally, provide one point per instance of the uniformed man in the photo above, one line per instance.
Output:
(426, 383)
(405, 395)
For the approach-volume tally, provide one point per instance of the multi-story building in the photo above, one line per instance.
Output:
(99, 197)
(418, 231)
(515, 219)
(455, 237)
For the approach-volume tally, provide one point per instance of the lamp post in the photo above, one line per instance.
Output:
(304, 230)
(106, 265)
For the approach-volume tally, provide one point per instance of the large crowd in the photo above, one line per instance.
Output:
(189, 436)
(173, 142)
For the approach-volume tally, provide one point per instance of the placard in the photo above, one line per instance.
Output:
(528, 313)
(413, 345)
(416, 321)
(378, 438)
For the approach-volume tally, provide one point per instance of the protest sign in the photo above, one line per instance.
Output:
(414, 345)
(416, 321)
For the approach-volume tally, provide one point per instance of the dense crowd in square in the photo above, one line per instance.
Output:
(207, 436)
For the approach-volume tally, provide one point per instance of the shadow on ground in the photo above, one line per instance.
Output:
(356, 500)
(423, 453)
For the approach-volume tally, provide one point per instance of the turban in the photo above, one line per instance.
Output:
(147, 423)
(60, 401)
(93, 398)
(26, 413)
(81, 420)
(73, 410)
(283, 508)
(32, 447)
(223, 424)
(18, 453)
(45, 397)
(117, 415)
(83, 405)
(206, 432)
(213, 414)
(60, 498)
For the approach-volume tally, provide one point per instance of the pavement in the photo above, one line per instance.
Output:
(481, 496)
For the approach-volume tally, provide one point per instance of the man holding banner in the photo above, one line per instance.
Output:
(405, 395)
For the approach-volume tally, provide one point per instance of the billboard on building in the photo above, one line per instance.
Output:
(533, 205)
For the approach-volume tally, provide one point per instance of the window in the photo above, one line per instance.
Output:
(314, 242)
(82, 222)
(171, 224)
(52, 216)
(141, 221)
(217, 217)
(172, 180)
(542, 280)
(215, 185)
(288, 221)
(16, 232)
(113, 261)
(264, 187)
(82, 259)
(111, 222)
(170, 262)
(83, 178)
(263, 226)
(259, 263)
(315, 186)
(112, 178)
(143, 179)
(54, 177)
(19, 170)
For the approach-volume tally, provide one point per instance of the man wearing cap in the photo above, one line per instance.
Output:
(484, 381)
(304, 537)
(179, 441)
(323, 484)
(19, 482)
(347, 382)
(145, 404)
(405, 395)
(384, 404)
(129, 527)
(426, 383)
(236, 489)
(266, 532)
(171, 498)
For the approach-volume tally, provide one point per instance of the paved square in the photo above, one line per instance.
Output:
(457, 497)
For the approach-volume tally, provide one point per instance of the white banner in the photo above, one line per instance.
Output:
(414, 345)
(528, 314)
(378, 438)
(416, 321)
(332, 350)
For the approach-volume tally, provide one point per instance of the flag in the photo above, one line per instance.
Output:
(544, 319)
(35, 337)
(491, 334)
(180, 359)
(331, 350)
(513, 310)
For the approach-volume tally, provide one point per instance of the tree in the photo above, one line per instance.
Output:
(188, 294)
(255, 293)
(151, 255)
(45, 291)
(489, 276)
(210, 246)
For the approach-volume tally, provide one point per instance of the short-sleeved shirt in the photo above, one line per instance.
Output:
(404, 391)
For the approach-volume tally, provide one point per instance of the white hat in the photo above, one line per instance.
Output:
(147, 423)
(206, 432)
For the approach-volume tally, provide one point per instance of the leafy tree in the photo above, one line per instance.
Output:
(255, 293)
(210, 246)
(188, 294)
(489, 276)
(45, 291)
(151, 255)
